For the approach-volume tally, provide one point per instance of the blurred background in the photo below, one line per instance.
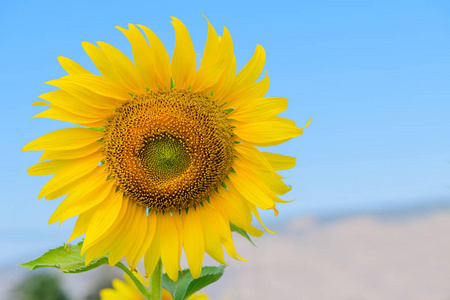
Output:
(372, 181)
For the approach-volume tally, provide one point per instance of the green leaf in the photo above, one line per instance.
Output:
(67, 259)
(187, 285)
(241, 232)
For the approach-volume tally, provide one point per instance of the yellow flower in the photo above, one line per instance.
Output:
(152, 168)
(128, 291)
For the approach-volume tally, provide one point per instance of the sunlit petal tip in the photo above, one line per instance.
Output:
(285, 201)
(86, 44)
(307, 124)
(275, 211)
(241, 258)
(40, 103)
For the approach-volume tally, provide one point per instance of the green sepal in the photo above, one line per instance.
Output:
(186, 285)
(98, 129)
(172, 83)
(242, 232)
(66, 258)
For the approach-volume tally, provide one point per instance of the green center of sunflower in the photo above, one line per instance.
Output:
(169, 150)
(164, 157)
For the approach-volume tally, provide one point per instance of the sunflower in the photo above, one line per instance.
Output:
(162, 155)
(127, 290)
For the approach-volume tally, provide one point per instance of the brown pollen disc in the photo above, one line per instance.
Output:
(168, 150)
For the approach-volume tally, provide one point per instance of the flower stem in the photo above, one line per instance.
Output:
(155, 283)
(136, 281)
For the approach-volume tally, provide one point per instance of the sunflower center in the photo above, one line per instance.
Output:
(164, 157)
(169, 150)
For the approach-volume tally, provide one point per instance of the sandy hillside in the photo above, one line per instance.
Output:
(357, 258)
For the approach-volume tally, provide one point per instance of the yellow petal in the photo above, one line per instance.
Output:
(225, 83)
(274, 182)
(271, 132)
(149, 235)
(220, 223)
(257, 90)
(81, 225)
(124, 240)
(214, 62)
(260, 167)
(211, 48)
(162, 59)
(125, 70)
(98, 246)
(194, 243)
(225, 47)
(153, 253)
(179, 224)
(40, 103)
(71, 154)
(183, 61)
(104, 217)
(169, 246)
(137, 233)
(254, 210)
(94, 83)
(236, 209)
(209, 75)
(278, 161)
(213, 246)
(252, 157)
(57, 113)
(110, 294)
(68, 102)
(71, 67)
(113, 236)
(87, 96)
(47, 167)
(254, 110)
(250, 73)
(253, 190)
(91, 182)
(142, 55)
(73, 171)
(198, 297)
(95, 196)
(100, 60)
(113, 241)
(64, 139)
(167, 296)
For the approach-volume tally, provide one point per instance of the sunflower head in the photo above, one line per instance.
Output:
(163, 157)
(169, 149)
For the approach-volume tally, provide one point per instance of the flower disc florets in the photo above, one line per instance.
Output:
(168, 150)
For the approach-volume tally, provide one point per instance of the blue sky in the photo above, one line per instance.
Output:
(373, 76)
